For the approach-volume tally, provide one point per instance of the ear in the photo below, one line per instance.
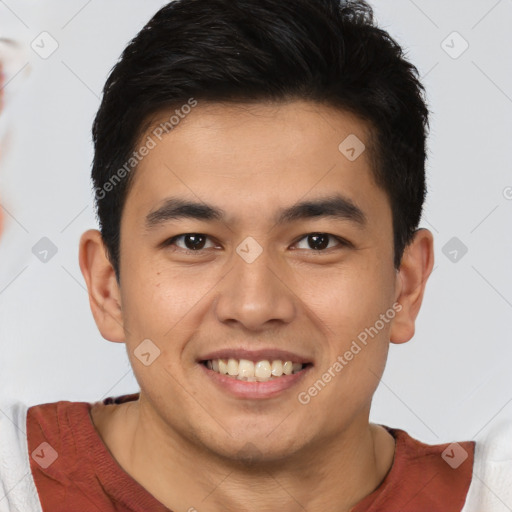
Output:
(415, 269)
(104, 293)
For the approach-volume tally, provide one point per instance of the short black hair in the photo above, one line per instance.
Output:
(327, 51)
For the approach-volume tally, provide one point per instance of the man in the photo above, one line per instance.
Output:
(259, 179)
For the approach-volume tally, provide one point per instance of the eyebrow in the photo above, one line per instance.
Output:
(335, 206)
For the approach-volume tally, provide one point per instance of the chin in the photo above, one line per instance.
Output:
(262, 446)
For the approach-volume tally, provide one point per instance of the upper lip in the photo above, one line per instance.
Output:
(270, 354)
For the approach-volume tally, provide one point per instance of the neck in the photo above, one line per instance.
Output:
(332, 475)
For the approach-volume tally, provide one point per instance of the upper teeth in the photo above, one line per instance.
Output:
(244, 369)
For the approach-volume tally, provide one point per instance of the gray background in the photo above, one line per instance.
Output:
(452, 381)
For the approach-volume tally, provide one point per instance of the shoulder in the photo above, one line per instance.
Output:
(424, 477)
(491, 487)
(17, 488)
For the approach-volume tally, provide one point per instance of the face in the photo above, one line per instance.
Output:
(287, 255)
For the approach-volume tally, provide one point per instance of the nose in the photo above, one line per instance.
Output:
(257, 294)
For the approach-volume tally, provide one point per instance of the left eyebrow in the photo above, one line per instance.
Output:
(336, 206)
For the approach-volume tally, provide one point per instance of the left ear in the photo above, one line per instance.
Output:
(415, 269)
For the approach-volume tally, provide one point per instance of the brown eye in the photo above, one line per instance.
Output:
(189, 241)
(194, 242)
(320, 241)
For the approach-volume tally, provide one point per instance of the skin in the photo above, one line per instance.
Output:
(190, 443)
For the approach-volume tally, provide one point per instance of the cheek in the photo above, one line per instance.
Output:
(159, 300)
(347, 299)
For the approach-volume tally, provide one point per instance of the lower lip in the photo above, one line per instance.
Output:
(255, 390)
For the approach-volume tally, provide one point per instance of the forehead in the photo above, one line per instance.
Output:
(249, 158)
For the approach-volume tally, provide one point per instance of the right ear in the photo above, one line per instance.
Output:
(104, 293)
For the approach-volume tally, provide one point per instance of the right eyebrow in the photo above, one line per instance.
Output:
(175, 208)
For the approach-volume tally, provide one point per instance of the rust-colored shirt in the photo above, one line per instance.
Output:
(74, 471)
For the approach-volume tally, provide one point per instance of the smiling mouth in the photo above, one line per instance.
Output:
(254, 371)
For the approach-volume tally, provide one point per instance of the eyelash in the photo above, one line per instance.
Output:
(342, 243)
